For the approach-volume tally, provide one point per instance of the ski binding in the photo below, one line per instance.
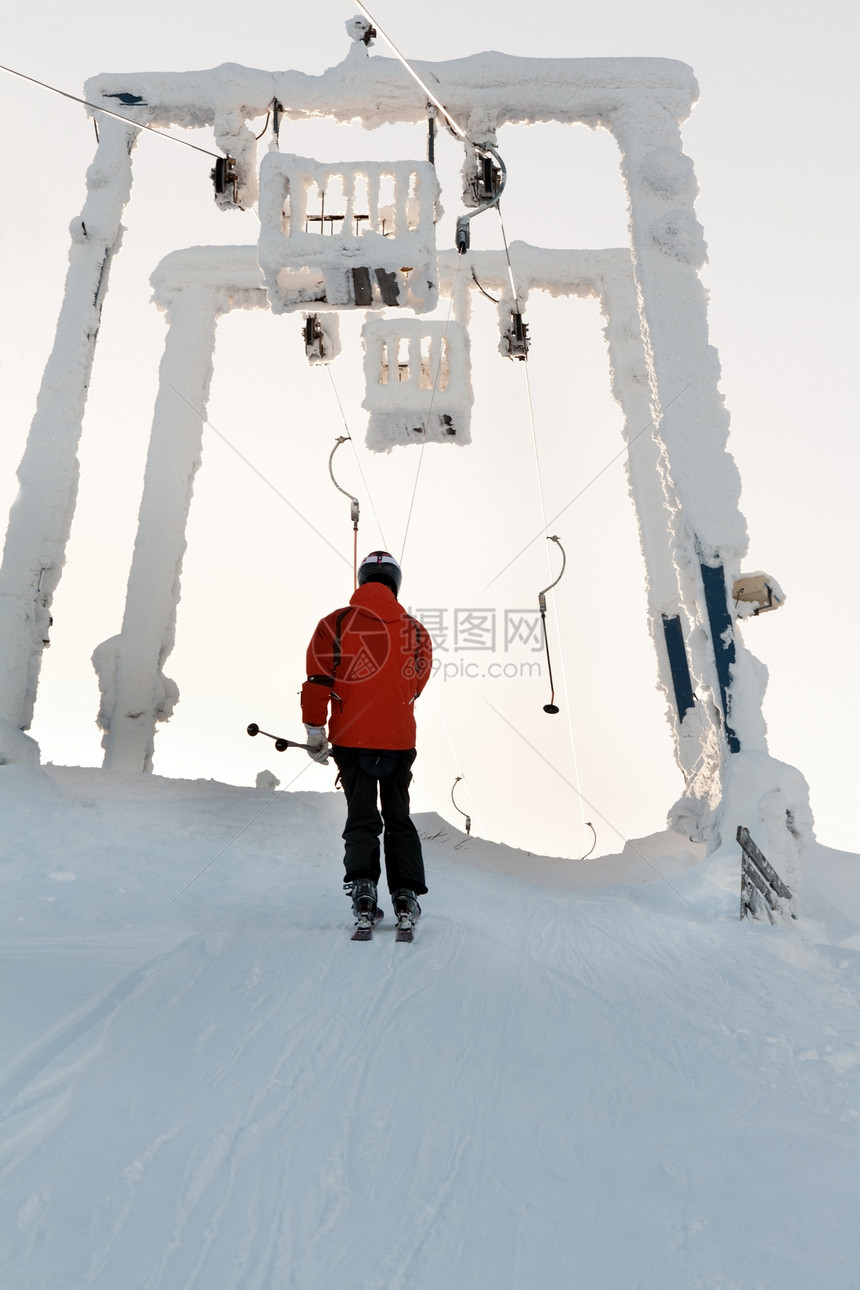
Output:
(365, 923)
(405, 930)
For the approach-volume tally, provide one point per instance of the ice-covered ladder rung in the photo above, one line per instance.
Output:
(393, 191)
(759, 878)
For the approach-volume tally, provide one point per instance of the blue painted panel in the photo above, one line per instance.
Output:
(679, 667)
(722, 637)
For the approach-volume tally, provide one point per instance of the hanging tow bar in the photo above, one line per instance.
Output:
(589, 825)
(280, 744)
(354, 508)
(551, 706)
(467, 818)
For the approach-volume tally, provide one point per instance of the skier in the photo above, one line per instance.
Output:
(371, 660)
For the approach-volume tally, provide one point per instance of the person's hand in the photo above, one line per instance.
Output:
(317, 744)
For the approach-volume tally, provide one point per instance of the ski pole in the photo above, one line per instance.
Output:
(280, 744)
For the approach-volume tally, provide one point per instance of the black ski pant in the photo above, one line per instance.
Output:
(404, 862)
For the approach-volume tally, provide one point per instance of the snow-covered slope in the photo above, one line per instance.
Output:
(579, 1075)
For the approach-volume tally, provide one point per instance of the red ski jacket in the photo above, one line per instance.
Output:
(371, 660)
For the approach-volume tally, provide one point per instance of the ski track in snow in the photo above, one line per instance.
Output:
(602, 1088)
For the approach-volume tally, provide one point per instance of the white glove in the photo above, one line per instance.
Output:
(317, 744)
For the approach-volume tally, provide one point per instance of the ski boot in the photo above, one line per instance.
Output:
(406, 911)
(364, 906)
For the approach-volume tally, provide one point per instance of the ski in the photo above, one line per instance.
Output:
(366, 920)
(406, 910)
(365, 924)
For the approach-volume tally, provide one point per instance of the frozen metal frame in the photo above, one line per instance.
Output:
(664, 371)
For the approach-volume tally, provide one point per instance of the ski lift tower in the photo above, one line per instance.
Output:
(355, 236)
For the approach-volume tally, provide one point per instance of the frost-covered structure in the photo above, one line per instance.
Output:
(382, 222)
(418, 386)
(382, 256)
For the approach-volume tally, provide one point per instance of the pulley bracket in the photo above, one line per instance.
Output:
(516, 338)
(486, 185)
(225, 177)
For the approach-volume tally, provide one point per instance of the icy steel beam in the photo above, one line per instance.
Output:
(40, 520)
(194, 287)
(485, 89)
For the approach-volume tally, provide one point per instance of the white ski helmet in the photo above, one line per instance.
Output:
(380, 566)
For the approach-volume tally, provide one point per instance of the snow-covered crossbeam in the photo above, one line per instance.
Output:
(379, 91)
(481, 92)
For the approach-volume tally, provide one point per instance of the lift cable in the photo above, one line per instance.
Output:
(252, 467)
(458, 130)
(98, 107)
(508, 259)
(627, 842)
(625, 448)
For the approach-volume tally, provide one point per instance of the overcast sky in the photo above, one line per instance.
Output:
(773, 139)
